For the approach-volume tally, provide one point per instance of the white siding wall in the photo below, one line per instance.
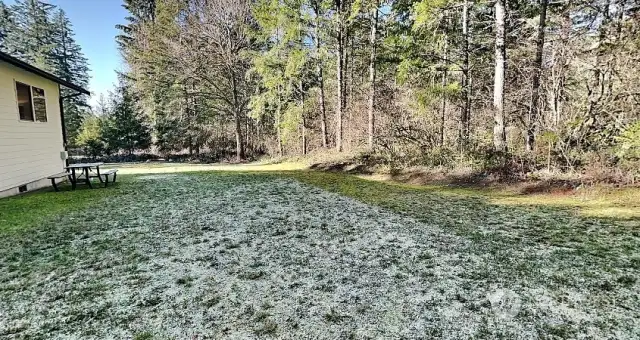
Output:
(29, 151)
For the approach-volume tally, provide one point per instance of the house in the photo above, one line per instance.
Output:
(32, 134)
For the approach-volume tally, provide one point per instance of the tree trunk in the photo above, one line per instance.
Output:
(278, 130)
(537, 71)
(239, 144)
(621, 8)
(559, 66)
(323, 111)
(339, 108)
(372, 76)
(323, 107)
(349, 66)
(304, 122)
(499, 133)
(237, 118)
(340, 78)
(597, 88)
(443, 108)
(304, 135)
(466, 81)
(247, 136)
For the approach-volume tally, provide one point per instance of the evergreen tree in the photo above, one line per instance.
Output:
(141, 11)
(90, 136)
(281, 66)
(127, 129)
(5, 21)
(7, 29)
(161, 91)
(35, 42)
(70, 64)
(102, 106)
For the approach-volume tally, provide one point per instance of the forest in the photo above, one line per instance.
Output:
(512, 86)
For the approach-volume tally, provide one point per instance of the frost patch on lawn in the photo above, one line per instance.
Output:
(242, 256)
(156, 177)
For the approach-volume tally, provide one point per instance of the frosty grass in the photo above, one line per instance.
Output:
(253, 256)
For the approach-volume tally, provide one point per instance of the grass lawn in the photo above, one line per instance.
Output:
(296, 254)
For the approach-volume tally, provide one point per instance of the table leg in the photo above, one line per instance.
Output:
(99, 176)
(74, 179)
(87, 178)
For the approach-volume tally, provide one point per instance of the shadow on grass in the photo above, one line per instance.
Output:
(345, 167)
(552, 246)
(470, 213)
(505, 218)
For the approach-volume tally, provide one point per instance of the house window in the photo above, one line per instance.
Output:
(25, 105)
(32, 103)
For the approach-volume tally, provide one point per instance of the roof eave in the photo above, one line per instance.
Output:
(29, 68)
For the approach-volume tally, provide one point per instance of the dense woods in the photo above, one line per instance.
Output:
(532, 84)
(42, 35)
(523, 85)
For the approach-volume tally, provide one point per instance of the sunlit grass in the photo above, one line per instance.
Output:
(164, 167)
(23, 212)
(614, 205)
(600, 202)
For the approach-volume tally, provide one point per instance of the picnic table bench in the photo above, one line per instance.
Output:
(53, 178)
(86, 174)
(113, 173)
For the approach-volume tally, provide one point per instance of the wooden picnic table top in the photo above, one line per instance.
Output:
(84, 165)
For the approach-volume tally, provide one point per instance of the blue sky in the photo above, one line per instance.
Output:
(94, 25)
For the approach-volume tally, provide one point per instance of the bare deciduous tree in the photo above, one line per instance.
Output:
(212, 49)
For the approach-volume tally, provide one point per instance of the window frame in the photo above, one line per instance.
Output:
(34, 118)
(33, 103)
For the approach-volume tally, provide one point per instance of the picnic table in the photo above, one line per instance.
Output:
(83, 171)
(86, 172)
